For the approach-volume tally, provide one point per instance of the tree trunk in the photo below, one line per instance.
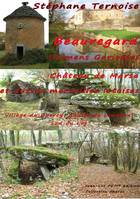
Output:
(1, 166)
(115, 80)
(33, 137)
(59, 135)
(40, 137)
(12, 137)
(129, 151)
(17, 137)
(138, 155)
(115, 152)
(2, 143)
(121, 79)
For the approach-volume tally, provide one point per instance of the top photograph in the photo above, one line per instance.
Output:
(70, 34)
(23, 35)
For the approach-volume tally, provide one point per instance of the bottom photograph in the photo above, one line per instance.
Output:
(67, 163)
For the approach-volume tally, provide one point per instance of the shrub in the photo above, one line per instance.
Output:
(33, 56)
(10, 59)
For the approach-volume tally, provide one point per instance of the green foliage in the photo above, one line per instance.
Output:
(9, 180)
(6, 79)
(70, 173)
(3, 83)
(13, 172)
(40, 184)
(120, 34)
(10, 59)
(33, 56)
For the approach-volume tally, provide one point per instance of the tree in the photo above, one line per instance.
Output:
(58, 15)
(17, 137)
(121, 79)
(2, 141)
(59, 135)
(115, 80)
(12, 137)
(138, 156)
(7, 79)
(42, 76)
(33, 137)
(115, 141)
(129, 151)
(135, 16)
(39, 137)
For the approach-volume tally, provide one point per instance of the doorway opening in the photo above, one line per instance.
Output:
(20, 52)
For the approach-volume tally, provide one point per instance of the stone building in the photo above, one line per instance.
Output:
(24, 30)
(94, 17)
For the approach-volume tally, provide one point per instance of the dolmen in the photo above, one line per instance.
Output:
(104, 106)
(33, 162)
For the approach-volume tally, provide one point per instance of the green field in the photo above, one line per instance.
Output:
(120, 34)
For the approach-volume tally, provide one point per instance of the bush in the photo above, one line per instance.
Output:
(10, 59)
(33, 56)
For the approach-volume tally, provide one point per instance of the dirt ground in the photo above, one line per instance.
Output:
(93, 181)
(102, 181)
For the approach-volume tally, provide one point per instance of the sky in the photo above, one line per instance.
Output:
(18, 73)
(89, 3)
(8, 6)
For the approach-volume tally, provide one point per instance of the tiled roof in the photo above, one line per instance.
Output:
(24, 11)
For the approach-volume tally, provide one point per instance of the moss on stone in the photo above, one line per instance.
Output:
(38, 151)
(107, 98)
(99, 83)
(69, 82)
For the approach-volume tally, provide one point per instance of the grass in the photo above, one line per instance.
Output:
(69, 173)
(26, 107)
(13, 122)
(31, 66)
(40, 184)
(120, 34)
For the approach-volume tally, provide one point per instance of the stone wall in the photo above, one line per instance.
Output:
(31, 35)
(97, 25)
(134, 29)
